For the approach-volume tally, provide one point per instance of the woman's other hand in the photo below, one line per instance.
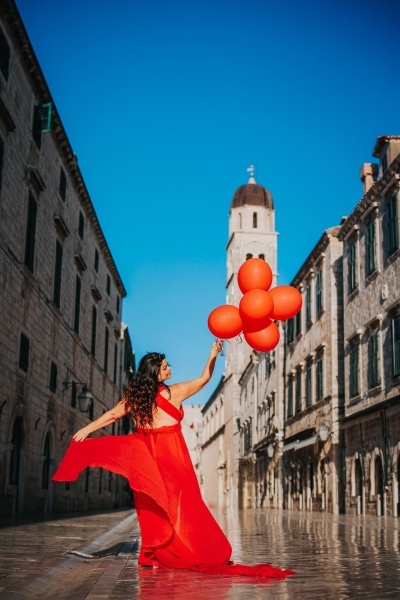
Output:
(81, 434)
(216, 347)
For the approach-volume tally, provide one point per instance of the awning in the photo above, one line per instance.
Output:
(300, 443)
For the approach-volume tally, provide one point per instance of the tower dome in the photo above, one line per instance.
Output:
(253, 194)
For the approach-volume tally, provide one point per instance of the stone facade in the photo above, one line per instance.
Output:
(61, 301)
(371, 275)
(315, 425)
(314, 383)
(251, 234)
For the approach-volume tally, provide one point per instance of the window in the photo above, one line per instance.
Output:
(96, 260)
(46, 464)
(1, 160)
(396, 345)
(308, 303)
(77, 311)
(57, 274)
(248, 256)
(352, 267)
(255, 220)
(373, 361)
(290, 331)
(370, 250)
(354, 370)
(30, 237)
(267, 365)
(53, 377)
(247, 437)
(309, 384)
(320, 378)
(318, 292)
(298, 323)
(94, 326)
(41, 122)
(73, 394)
(118, 304)
(115, 363)
(392, 225)
(106, 340)
(290, 397)
(24, 353)
(81, 225)
(4, 54)
(62, 186)
(298, 390)
(108, 288)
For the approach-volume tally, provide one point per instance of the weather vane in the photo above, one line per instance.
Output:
(251, 171)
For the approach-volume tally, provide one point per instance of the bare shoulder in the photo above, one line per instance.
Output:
(164, 393)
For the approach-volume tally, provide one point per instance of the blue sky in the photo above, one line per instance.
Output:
(167, 103)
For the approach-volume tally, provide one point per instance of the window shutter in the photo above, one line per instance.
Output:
(396, 345)
(57, 274)
(24, 353)
(62, 188)
(43, 119)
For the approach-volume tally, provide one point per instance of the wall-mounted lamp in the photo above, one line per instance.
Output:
(323, 432)
(270, 450)
(85, 398)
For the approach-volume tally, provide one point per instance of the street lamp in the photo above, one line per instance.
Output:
(323, 432)
(270, 450)
(85, 398)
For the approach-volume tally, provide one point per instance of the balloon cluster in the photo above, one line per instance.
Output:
(258, 308)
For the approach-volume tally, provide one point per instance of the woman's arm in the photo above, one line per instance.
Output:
(182, 391)
(109, 417)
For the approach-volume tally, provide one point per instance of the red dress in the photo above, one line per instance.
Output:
(177, 529)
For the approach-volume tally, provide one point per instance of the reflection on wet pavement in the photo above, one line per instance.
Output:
(335, 557)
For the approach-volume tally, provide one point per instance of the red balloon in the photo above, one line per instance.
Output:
(255, 308)
(254, 274)
(224, 322)
(287, 302)
(265, 340)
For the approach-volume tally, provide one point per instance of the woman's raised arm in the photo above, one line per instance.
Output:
(182, 391)
(109, 417)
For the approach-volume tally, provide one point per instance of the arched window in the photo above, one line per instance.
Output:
(255, 220)
(248, 256)
(262, 256)
(46, 463)
(16, 440)
(240, 220)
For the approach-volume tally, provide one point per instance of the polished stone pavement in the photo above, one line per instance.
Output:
(94, 556)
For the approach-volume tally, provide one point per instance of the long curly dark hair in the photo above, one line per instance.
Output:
(140, 396)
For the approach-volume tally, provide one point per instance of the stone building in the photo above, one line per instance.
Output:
(371, 276)
(61, 301)
(312, 455)
(251, 234)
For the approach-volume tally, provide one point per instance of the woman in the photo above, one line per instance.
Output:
(177, 529)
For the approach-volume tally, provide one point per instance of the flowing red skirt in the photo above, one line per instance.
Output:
(177, 529)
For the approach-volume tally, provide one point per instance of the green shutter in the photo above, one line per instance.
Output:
(396, 345)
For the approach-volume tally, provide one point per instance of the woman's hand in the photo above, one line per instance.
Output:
(216, 347)
(81, 434)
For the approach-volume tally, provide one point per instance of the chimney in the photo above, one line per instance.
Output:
(368, 175)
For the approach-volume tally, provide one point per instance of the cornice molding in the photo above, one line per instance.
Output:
(389, 179)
